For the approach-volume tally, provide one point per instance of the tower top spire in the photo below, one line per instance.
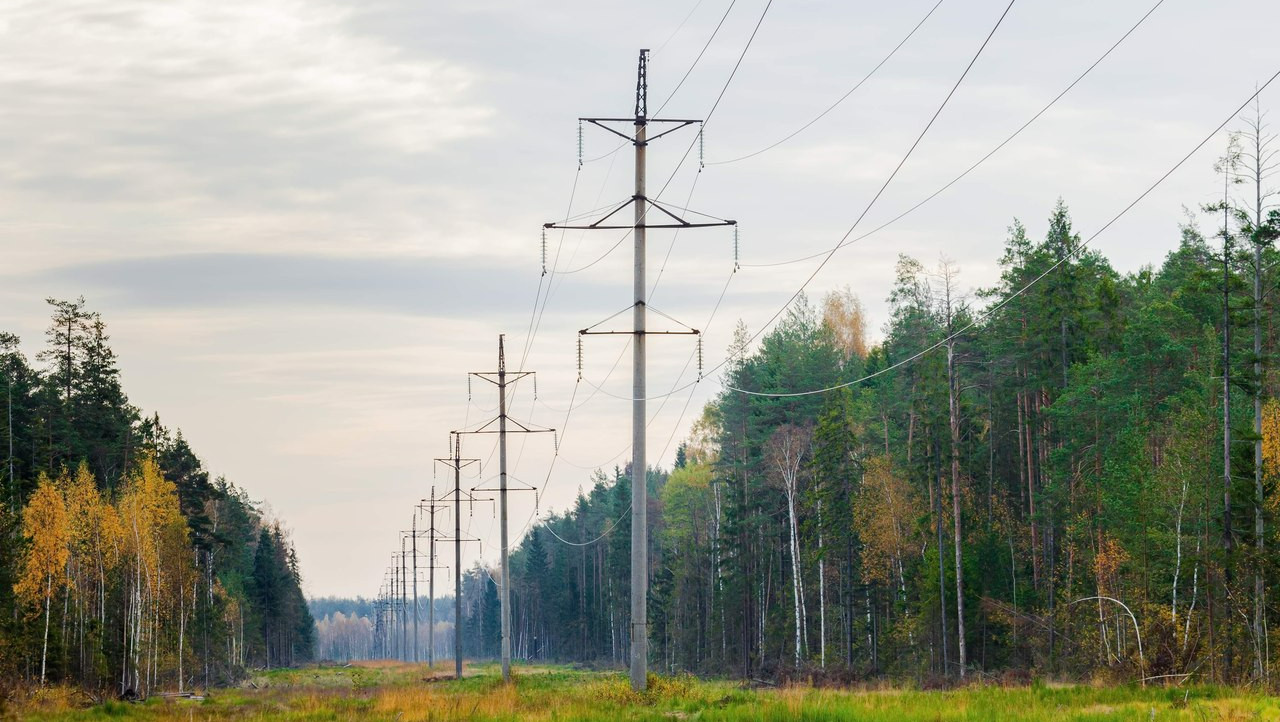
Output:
(642, 87)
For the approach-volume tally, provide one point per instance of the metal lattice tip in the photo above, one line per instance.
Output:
(642, 86)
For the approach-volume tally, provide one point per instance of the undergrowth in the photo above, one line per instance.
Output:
(417, 693)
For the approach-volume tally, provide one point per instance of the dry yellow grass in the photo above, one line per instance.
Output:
(398, 692)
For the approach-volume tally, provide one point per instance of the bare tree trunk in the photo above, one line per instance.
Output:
(795, 569)
(182, 630)
(1025, 416)
(785, 451)
(1177, 534)
(822, 596)
(936, 493)
(1261, 162)
(955, 490)
(44, 652)
(1227, 537)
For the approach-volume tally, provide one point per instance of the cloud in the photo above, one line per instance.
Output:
(405, 285)
(284, 59)
(444, 288)
(202, 124)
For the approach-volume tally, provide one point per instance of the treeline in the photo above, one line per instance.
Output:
(1072, 472)
(124, 565)
(354, 629)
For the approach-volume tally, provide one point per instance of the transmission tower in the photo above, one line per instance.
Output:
(430, 506)
(502, 378)
(457, 463)
(642, 205)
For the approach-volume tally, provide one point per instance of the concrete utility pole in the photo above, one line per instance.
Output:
(639, 462)
(431, 507)
(641, 204)
(502, 378)
(457, 463)
(391, 609)
(414, 535)
(404, 603)
(377, 626)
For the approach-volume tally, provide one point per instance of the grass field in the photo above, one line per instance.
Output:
(412, 693)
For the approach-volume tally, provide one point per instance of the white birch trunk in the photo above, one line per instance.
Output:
(795, 570)
(44, 653)
(822, 597)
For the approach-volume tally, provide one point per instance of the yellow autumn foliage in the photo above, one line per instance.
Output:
(1107, 562)
(882, 513)
(46, 527)
(154, 534)
(844, 315)
(1271, 438)
(95, 526)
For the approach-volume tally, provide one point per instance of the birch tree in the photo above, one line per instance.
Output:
(786, 452)
(45, 525)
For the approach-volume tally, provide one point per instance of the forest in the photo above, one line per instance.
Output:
(1071, 473)
(124, 566)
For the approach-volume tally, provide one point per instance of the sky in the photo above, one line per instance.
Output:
(305, 222)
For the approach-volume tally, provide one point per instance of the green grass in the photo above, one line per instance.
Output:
(409, 693)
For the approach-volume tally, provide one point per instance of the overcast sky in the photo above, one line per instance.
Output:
(305, 221)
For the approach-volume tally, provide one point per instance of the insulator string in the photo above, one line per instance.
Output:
(699, 357)
(701, 154)
(736, 249)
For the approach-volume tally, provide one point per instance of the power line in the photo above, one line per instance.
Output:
(641, 205)
(873, 200)
(502, 378)
(604, 534)
(720, 96)
(714, 106)
(687, 72)
(678, 28)
(535, 317)
(896, 169)
(1075, 252)
(696, 60)
(679, 165)
(457, 463)
(676, 427)
(841, 99)
(981, 160)
(724, 88)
